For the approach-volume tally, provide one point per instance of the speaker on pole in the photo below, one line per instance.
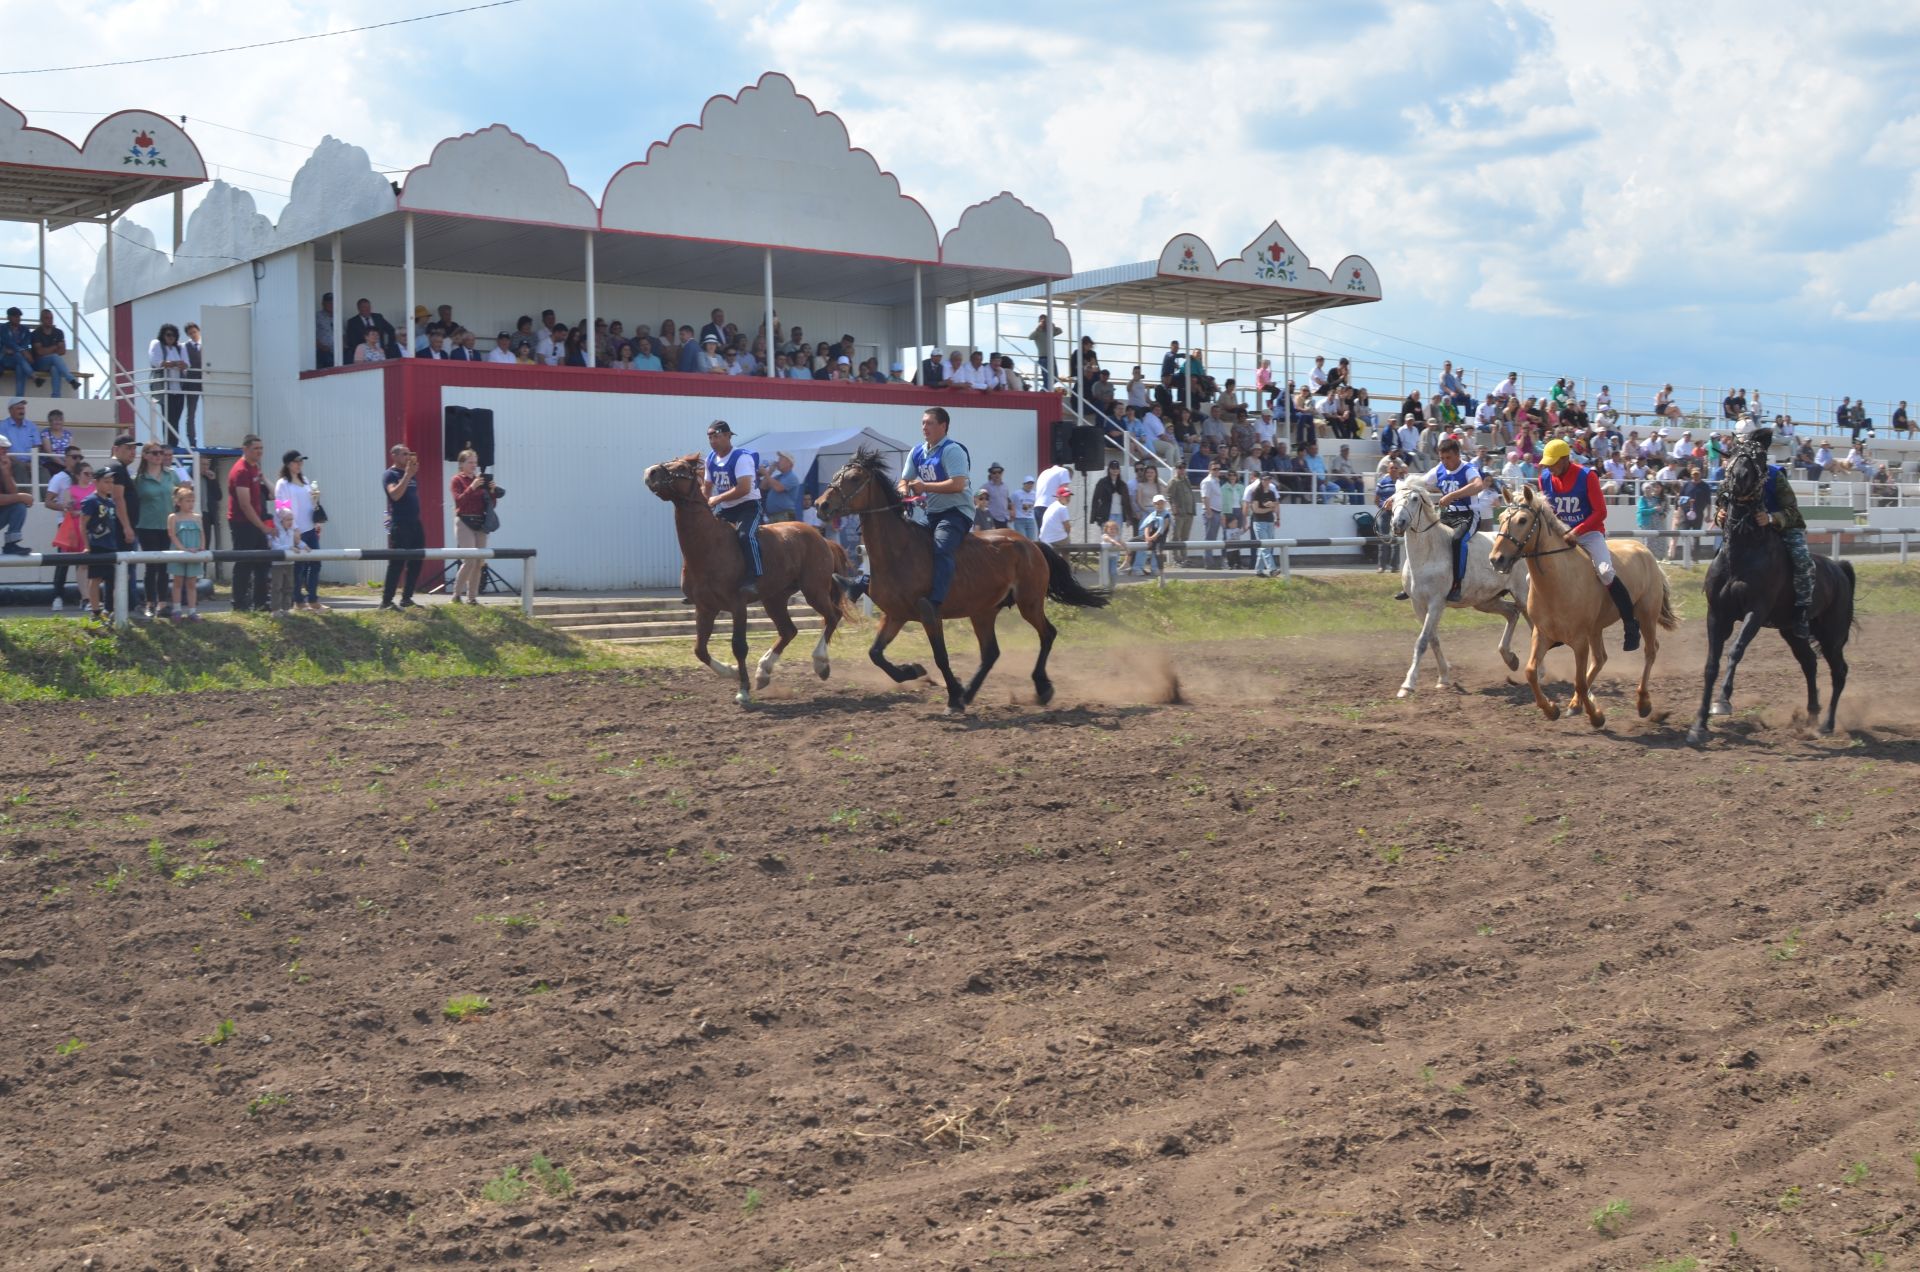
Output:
(468, 428)
(1088, 449)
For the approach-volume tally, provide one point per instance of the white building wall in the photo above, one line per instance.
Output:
(571, 465)
(339, 421)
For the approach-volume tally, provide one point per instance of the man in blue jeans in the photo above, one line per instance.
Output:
(939, 470)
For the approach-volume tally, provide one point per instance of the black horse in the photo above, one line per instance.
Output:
(1751, 583)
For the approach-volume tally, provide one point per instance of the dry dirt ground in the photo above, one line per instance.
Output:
(1284, 974)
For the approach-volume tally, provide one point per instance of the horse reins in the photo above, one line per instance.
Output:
(1532, 533)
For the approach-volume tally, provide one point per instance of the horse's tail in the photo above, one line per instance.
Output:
(1853, 591)
(842, 564)
(1063, 587)
(1668, 619)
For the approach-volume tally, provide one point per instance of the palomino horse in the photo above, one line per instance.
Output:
(1751, 582)
(994, 569)
(793, 557)
(1566, 605)
(1428, 577)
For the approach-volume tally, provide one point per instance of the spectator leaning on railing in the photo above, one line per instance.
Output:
(247, 524)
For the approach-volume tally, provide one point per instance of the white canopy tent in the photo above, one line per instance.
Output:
(832, 446)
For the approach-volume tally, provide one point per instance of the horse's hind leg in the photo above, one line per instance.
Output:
(989, 643)
(1511, 611)
(1033, 608)
(1834, 648)
(820, 600)
(1599, 651)
(783, 625)
(745, 695)
(1810, 668)
(936, 630)
(1583, 683)
(1429, 623)
(1650, 650)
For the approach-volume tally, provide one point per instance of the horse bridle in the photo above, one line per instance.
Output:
(1533, 532)
(1426, 507)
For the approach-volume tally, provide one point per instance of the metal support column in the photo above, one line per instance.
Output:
(1044, 347)
(43, 274)
(971, 346)
(406, 344)
(339, 299)
(766, 297)
(919, 310)
(587, 342)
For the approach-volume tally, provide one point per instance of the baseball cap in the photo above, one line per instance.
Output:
(1160, 499)
(897, 367)
(292, 457)
(720, 426)
(6, 442)
(843, 361)
(16, 402)
(1027, 480)
(1064, 491)
(995, 468)
(1555, 451)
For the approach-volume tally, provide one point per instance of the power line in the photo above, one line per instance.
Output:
(263, 44)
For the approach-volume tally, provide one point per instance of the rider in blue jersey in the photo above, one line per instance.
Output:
(939, 470)
(732, 495)
(1456, 483)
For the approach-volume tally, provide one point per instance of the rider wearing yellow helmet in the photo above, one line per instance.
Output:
(1573, 491)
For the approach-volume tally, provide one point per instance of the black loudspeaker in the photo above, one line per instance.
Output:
(469, 428)
(1060, 442)
(1088, 449)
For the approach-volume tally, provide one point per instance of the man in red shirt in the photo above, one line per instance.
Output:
(1574, 492)
(247, 521)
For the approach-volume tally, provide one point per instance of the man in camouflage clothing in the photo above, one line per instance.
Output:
(1780, 509)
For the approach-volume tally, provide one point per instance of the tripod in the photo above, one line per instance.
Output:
(490, 581)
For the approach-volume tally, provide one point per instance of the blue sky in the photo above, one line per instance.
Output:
(1712, 193)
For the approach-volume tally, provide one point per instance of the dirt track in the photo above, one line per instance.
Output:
(1287, 975)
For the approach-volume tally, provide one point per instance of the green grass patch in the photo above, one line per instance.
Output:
(45, 658)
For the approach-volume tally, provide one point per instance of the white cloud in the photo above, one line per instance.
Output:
(1896, 304)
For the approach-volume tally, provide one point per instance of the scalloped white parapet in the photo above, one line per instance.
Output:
(768, 168)
(1271, 259)
(499, 175)
(1004, 233)
(127, 142)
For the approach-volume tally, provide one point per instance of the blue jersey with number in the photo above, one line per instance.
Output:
(723, 469)
(946, 458)
(1573, 504)
(1445, 483)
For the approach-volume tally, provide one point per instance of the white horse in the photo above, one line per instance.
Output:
(1427, 575)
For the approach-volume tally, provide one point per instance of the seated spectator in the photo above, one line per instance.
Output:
(365, 320)
(522, 336)
(436, 349)
(371, 348)
(796, 371)
(1316, 469)
(14, 503)
(1341, 473)
(622, 356)
(896, 374)
(49, 347)
(644, 358)
(1881, 490)
(502, 350)
(1902, 422)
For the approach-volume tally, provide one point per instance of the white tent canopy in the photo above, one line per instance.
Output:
(832, 446)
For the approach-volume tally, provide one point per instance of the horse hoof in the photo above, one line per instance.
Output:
(1043, 692)
(1645, 709)
(912, 671)
(1720, 709)
(762, 680)
(956, 708)
(1696, 736)
(1512, 660)
(1406, 691)
(1826, 730)
(743, 697)
(822, 668)
(1552, 711)
(1598, 719)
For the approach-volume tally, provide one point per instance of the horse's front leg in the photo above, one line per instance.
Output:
(937, 637)
(1512, 613)
(1719, 627)
(1429, 612)
(1809, 667)
(1584, 667)
(889, 628)
(1748, 630)
(703, 616)
(1536, 650)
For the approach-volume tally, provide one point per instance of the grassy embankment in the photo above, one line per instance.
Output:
(48, 658)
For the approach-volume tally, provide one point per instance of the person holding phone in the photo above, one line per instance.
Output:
(404, 529)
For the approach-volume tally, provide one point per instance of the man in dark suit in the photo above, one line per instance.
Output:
(933, 372)
(365, 320)
(464, 350)
(437, 345)
(717, 328)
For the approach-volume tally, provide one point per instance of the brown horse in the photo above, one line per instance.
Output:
(1567, 605)
(994, 569)
(793, 557)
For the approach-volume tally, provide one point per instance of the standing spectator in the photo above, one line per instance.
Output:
(1263, 512)
(404, 531)
(49, 345)
(323, 353)
(102, 512)
(474, 497)
(169, 362)
(185, 533)
(190, 380)
(689, 358)
(248, 525)
(281, 538)
(293, 491)
(999, 498)
(1049, 483)
(68, 536)
(781, 490)
(1023, 501)
(1213, 511)
(365, 320)
(1042, 336)
(14, 503)
(1696, 500)
(1383, 491)
(153, 503)
(1180, 504)
(1110, 487)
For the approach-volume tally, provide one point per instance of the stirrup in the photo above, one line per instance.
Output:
(1454, 594)
(855, 588)
(1632, 640)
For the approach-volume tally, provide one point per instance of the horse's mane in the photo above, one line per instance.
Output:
(878, 470)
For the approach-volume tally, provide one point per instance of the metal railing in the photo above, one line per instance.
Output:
(123, 561)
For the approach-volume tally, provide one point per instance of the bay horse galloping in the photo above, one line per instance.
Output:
(993, 569)
(1751, 583)
(793, 558)
(1568, 605)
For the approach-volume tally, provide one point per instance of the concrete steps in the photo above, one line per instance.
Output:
(635, 620)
